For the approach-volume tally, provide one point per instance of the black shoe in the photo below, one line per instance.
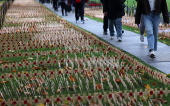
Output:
(82, 21)
(111, 38)
(119, 39)
(122, 31)
(105, 33)
(152, 54)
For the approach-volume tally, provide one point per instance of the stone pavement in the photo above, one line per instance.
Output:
(130, 42)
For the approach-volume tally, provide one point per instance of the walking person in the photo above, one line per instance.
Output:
(114, 9)
(105, 22)
(151, 10)
(79, 10)
(55, 5)
(63, 4)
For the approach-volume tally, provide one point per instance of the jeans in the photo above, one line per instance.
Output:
(151, 22)
(118, 25)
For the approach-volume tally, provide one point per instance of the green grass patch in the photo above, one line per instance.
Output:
(131, 3)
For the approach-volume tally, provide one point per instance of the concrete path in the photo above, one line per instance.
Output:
(130, 42)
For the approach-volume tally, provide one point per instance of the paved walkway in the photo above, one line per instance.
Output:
(130, 42)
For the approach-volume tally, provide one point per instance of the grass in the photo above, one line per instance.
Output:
(2, 1)
(131, 2)
(68, 84)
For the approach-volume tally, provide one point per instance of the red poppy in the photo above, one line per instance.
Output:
(79, 97)
(89, 97)
(25, 102)
(36, 100)
(14, 103)
(130, 94)
(161, 92)
(68, 98)
(141, 93)
(100, 96)
(151, 92)
(58, 100)
(110, 95)
(47, 101)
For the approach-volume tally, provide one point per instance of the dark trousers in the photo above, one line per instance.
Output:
(79, 11)
(63, 8)
(41, 1)
(105, 23)
(55, 5)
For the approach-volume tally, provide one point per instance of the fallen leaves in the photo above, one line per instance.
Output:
(99, 87)
(159, 100)
(29, 86)
(2, 82)
(71, 78)
(3, 62)
(36, 68)
(1, 100)
(162, 38)
(122, 73)
(147, 87)
(13, 71)
(117, 80)
(40, 104)
(44, 93)
(154, 83)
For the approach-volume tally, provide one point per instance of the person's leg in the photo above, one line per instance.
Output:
(142, 29)
(82, 12)
(118, 24)
(54, 5)
(111, 28)
(149, 30)
(149, 24)
(76, 12)
(62, 8)
(105, 24)
(65, 8)
(156, 22)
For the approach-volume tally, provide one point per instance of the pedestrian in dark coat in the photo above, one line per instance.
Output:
(55, 5)
(114, 9)
(79, 10)
(105, 22)
(63, 4)
(151, 10)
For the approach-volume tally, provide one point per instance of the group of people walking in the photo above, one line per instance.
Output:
(71, 5)
(147, 17)
(65, 4)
